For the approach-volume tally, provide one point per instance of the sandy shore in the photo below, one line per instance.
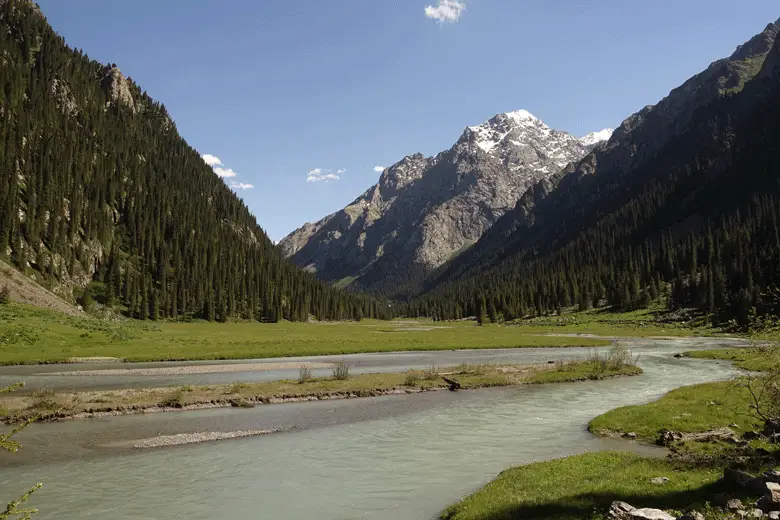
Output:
(181, 439)
(192, 369)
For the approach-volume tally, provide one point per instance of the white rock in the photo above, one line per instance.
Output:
(650, 514)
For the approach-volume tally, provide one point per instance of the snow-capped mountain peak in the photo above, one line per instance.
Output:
(596, 137)
(491, 133)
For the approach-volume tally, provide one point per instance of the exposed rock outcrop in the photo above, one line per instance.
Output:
(118, 88)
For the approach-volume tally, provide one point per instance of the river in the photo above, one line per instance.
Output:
(390, 457)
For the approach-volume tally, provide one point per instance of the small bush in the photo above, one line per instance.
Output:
(174, 400)
(616, 358)
(304, 374)
(45, 399)
(341, 371)
(562, 366)
(412, 378)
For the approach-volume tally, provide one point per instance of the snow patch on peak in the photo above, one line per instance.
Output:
(491, 133)
(521, 115)
(597, 137)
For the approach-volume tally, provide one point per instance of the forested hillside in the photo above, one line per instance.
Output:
(696, 218)
(101, 198)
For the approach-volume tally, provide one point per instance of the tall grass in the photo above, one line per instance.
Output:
(617, 357)
(304, 374)
(341, 371)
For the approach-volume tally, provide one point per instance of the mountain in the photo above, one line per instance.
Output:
(425, 210)
(101, 198)
(683, 200)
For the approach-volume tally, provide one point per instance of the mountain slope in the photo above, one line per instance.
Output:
(685, 193)
(563, 203)
(100, 196)
(424, 210)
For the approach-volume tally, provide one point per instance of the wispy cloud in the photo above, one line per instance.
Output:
(379, 169)
(447, 11)
(224, 173)
(324, 175)
(211, 160)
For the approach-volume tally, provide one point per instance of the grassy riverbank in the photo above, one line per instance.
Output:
(583, 486)
(754, 359)
(49, 404)
(690, 409)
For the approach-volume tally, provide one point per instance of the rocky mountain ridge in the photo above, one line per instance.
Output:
(424, 210)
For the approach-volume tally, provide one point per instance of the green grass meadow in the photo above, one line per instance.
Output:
(30, 335)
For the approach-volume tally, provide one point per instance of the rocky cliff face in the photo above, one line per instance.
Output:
(118, 88)
(424, 210)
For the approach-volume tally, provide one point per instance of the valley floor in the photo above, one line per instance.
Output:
(29, 335)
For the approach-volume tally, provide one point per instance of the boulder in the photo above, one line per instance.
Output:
(630, 435)
(692, 515)
(649, 514)
(620, 510)
(667, 437)
(738, 477)
(659, 480)
(771, 499)
(773, 491)
(774, 515)
(755, 513)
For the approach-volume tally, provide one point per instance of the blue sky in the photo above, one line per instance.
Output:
(278, 88)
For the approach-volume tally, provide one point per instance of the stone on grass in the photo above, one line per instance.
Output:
(734, 504)
(649, 514)
(659, 480)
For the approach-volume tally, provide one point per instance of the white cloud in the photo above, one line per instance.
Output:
(379, 169)
(211, 160)
(446, 11)
(323, 175)
(224, 173)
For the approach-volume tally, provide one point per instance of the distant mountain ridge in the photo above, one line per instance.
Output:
(424, 210)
